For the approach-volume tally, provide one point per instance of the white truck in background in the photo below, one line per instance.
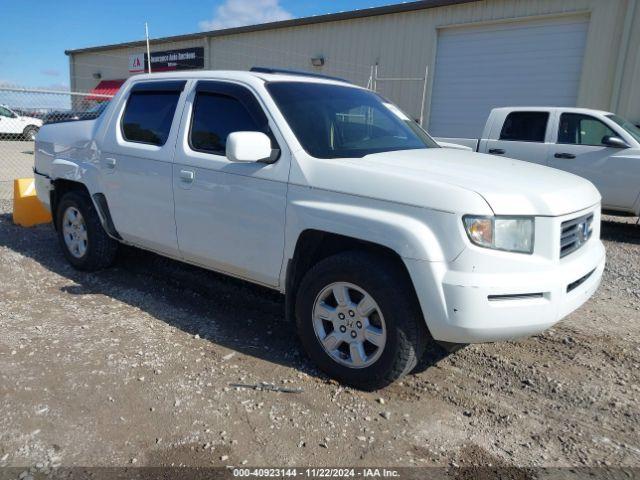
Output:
(599, 146)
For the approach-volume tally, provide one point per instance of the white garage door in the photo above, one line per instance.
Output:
(511, 64)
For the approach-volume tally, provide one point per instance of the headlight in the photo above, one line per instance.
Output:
(512, 234)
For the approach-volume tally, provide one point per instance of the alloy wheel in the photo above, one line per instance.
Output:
(349, 325)
(74, 230)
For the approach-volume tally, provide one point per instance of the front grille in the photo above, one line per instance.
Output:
(575, 233)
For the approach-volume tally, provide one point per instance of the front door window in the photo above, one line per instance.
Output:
(578, 129)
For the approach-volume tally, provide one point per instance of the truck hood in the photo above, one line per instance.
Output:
(510, 187)
(455, 181)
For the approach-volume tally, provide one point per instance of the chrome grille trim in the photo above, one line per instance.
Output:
(575, 233)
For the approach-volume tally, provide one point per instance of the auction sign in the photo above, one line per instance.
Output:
(168, 61)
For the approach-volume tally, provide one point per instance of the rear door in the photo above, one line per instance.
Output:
(579, 149)
(136, 164)
(229, 215)
(521, 135)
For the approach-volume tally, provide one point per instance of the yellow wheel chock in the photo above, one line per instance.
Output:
(27, 208)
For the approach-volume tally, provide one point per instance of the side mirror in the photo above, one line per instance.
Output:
(248, 147)
(614, 142)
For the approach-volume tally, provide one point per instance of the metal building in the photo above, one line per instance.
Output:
(478, 54)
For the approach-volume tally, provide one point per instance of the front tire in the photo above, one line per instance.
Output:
(84, 242)
(359, 321)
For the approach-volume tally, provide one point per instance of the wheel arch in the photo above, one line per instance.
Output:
(314, 245)
(29, 126)
(62, 186)
(67, 175)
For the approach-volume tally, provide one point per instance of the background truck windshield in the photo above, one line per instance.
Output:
(333, 121)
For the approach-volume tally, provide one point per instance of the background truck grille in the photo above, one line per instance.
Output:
(575, 234)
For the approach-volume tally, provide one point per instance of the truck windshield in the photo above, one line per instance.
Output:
(629, 127)
(334, 121)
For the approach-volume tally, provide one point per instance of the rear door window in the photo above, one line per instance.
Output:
(578, 129)
(149, 113)
(525, 127)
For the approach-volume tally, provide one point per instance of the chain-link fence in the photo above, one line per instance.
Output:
(22, 113)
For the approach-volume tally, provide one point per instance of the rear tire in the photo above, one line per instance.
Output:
(84, 242)
(374, 334)
(30, 133)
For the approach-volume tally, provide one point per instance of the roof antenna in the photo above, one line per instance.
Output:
(146, 34)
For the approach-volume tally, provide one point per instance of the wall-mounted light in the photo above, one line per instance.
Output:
(317, 61)
(97, 75)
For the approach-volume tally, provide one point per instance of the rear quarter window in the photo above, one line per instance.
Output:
(525, 127)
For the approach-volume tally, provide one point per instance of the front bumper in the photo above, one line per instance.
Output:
(43, 188)
(473, 307)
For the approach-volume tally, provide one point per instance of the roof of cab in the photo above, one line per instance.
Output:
(238, 75)
(585, 111)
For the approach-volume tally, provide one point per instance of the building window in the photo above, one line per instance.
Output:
(525, 127)
(148, 116)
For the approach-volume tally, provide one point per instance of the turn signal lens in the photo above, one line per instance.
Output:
(480, 231)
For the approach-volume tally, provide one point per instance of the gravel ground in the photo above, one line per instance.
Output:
(134, 366)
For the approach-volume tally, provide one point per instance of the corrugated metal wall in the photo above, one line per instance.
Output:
(403, 44)
(628, 102)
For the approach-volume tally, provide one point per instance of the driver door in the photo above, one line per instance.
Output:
(580, 150)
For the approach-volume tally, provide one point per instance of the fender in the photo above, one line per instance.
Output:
(82, 172)
(411, 232)
(86, 174)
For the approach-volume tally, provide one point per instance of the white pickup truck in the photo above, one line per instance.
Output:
(599, 146)
(381, 240)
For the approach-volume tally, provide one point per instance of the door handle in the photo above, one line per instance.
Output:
(187, 176)
(497, 151)
(110, 163)
(568, 156)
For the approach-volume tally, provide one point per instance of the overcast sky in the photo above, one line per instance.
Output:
(34, 35)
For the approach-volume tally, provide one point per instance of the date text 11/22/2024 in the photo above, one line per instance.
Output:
(316, 472)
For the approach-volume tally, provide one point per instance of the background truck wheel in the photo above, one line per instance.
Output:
(359, 321)
(30, 133)
(83, 240)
